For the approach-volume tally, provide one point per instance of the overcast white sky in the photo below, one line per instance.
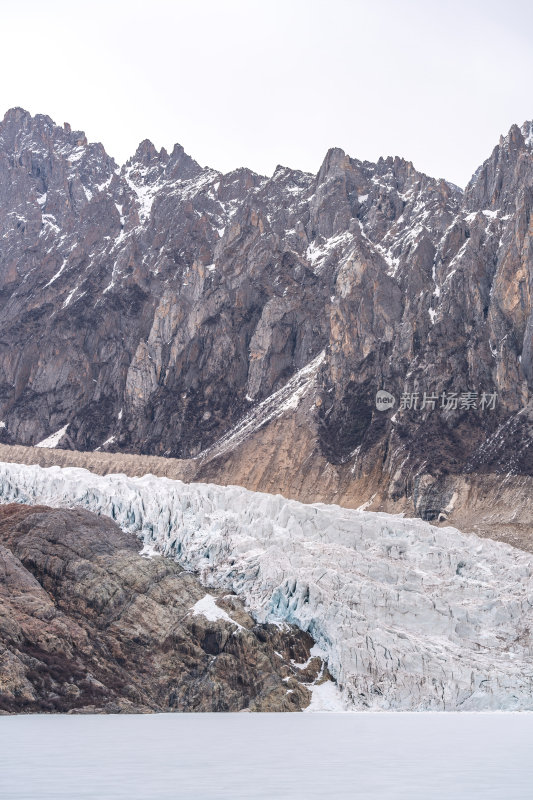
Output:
(259, 84)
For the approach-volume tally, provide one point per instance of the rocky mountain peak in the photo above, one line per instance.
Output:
(145, 153)
(507, 171)
(148, 165)
(20, 129)
(335, 161)
(181, 166)
(16, 116)
(527, 133)
(162, 304)
(513, 141)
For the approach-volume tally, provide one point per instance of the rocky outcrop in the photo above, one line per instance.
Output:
(165, 309)
(88, 624)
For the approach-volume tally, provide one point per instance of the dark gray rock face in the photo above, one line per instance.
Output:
(150, 308)
(87, 624)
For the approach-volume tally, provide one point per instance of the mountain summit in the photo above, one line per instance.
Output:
(245, 323)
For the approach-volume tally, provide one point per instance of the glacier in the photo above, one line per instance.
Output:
(411, 616)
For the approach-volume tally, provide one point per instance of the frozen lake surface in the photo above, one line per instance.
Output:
(270, 756)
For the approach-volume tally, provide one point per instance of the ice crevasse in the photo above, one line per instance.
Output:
(411, 616)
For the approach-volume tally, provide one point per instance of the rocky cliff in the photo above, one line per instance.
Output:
(88, 624)
(244, 324)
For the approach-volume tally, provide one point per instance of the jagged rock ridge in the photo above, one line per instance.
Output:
(154, 308)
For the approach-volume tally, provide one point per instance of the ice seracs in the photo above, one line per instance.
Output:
(412, 617)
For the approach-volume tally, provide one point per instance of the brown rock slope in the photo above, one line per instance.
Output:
(87, 624)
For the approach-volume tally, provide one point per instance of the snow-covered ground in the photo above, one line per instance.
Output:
(263, 756)
(411, 616)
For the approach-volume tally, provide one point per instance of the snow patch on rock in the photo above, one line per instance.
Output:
(208, 608)
(54, 439)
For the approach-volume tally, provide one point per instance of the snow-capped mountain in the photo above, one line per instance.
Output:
(164, 308)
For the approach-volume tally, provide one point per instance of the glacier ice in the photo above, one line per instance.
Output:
(412, 617)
